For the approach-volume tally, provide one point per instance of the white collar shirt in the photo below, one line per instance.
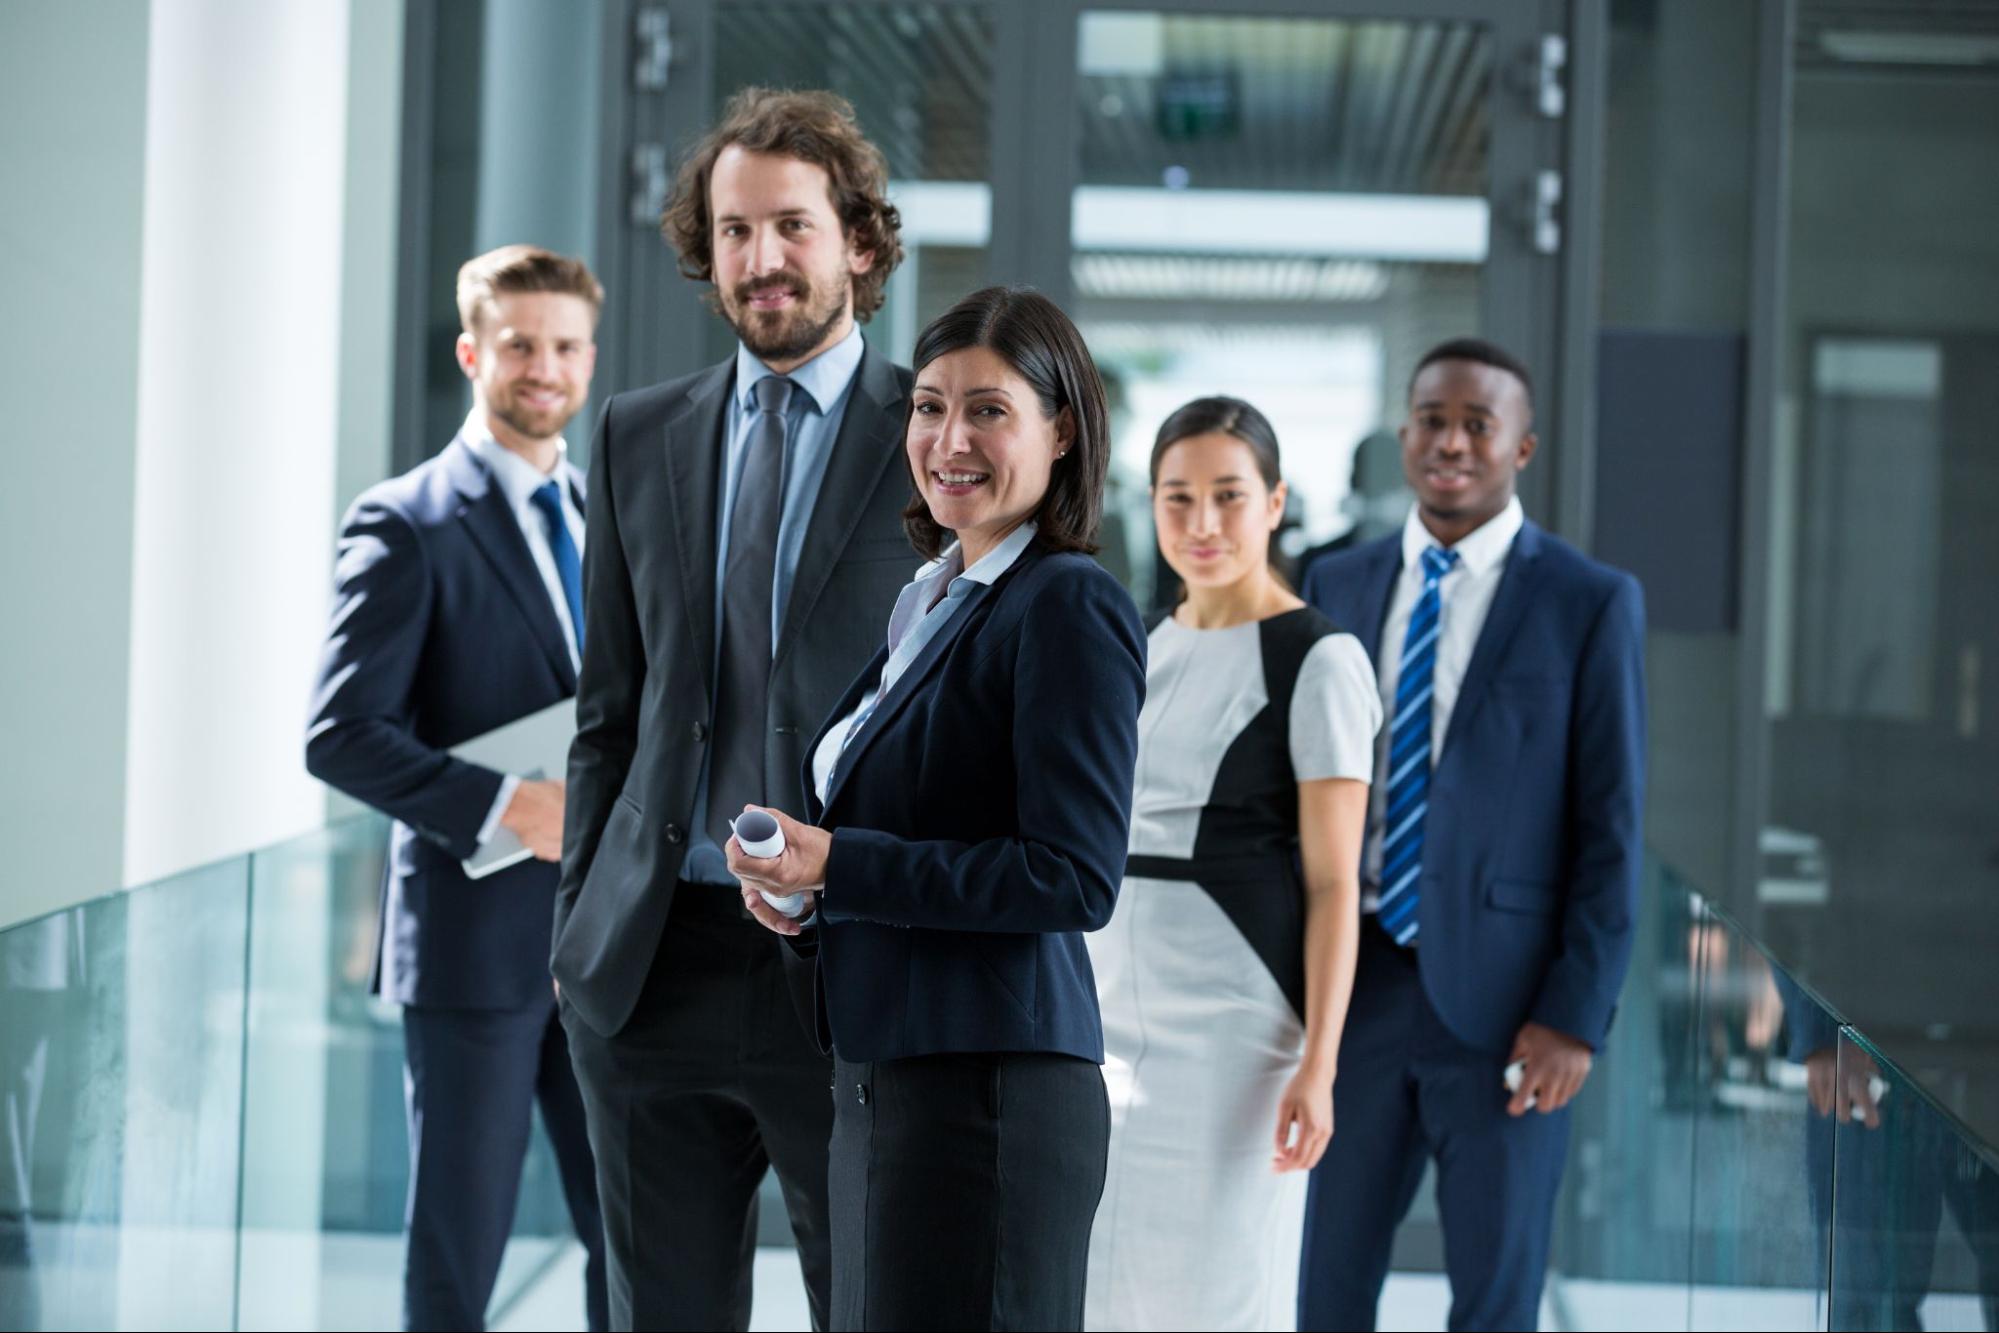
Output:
(1465, 595)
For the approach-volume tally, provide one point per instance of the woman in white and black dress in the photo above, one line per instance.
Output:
(1224, 974)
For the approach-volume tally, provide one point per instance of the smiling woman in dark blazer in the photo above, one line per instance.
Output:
(973, 801)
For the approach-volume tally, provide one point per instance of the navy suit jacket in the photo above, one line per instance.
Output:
(1532, 844)
(980, 821)
(442, 630)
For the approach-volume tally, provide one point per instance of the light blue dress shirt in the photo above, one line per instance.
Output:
(919, 616)
(518, 480)
(812, 423)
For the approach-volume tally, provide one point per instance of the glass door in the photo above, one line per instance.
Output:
(1292, 209)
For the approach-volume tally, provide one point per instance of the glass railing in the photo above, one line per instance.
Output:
(201, 1126)
(201, 1106)
(1743, 1159)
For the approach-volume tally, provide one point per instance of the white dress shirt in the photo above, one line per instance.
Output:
(518, 480)
(1465, 595)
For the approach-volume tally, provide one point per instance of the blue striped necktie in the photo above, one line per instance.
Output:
(568, 564)
(1409, 754)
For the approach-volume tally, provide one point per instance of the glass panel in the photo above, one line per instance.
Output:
(1231, 234)
(1882, 628)
(120, 1104)
(326, 1148)
(1762, 1164)
(1916, 1212)
(1622, 1240)
(921, 83)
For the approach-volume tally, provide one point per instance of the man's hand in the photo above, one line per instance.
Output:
(534, 816)
(1554, 1067)
(1845, 1090)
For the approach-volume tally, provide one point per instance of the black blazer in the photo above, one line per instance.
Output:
(980, 822)
(649, 613)
(442, 630)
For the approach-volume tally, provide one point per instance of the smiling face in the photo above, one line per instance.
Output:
(530, 358)
(980, 447)
(1213, 510)
(1467, 438)
(784, 267)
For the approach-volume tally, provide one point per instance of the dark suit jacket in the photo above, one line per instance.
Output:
(442, 631)
(1532, 844)
(646, 701)
(980, 822)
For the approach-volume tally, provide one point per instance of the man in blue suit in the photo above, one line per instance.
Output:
(1500, 872)
(457, 609)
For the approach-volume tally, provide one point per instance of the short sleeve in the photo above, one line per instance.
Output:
(1335, 712)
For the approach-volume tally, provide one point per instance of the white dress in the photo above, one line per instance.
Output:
(1200, 973)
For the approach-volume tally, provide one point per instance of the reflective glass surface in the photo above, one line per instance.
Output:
(121, 1050)
(1915, 1237)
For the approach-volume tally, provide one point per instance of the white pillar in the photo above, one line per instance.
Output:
(239, 367)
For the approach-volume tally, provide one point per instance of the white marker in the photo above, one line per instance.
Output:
(762, 837)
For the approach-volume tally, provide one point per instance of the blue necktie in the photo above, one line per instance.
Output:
(1409, 755)
(568, 565)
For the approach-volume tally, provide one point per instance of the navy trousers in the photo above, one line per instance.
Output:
(1409, 1090)
(472, 1078)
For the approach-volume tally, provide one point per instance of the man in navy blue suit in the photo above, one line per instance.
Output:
(1500, 872)
(457, 609)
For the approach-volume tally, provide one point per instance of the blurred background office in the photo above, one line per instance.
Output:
(1748, 248)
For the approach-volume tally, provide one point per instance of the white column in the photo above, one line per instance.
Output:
(239, 368)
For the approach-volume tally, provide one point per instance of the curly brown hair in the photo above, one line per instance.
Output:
(812, 126)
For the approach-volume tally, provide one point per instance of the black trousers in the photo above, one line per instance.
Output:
(472, 1078)
(1409, 1090)
(964, 1187)
(712, 1081)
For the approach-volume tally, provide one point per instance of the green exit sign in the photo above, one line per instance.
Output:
(1198, 106)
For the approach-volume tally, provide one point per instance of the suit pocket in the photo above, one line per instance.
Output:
(1533, 897)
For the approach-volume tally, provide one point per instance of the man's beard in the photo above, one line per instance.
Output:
(531, 424)
(788, 334)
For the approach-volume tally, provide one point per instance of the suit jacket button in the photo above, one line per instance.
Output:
(674, 834)
(861, 1093)
(700, 731)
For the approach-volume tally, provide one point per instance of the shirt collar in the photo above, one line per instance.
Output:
(1480, 549)
(517, 478)
(987, 569)
(824, 378)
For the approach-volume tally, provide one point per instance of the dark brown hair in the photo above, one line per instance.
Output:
(815, 127)
(522, 268)
(1032, 335)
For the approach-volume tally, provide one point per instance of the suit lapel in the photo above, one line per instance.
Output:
(694, 444)
(1510, 601)
(911, 682)
(1378, 590)
(857, 689)
(496, 532)
(867, 445)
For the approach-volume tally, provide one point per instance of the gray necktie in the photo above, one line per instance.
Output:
(741, 719)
